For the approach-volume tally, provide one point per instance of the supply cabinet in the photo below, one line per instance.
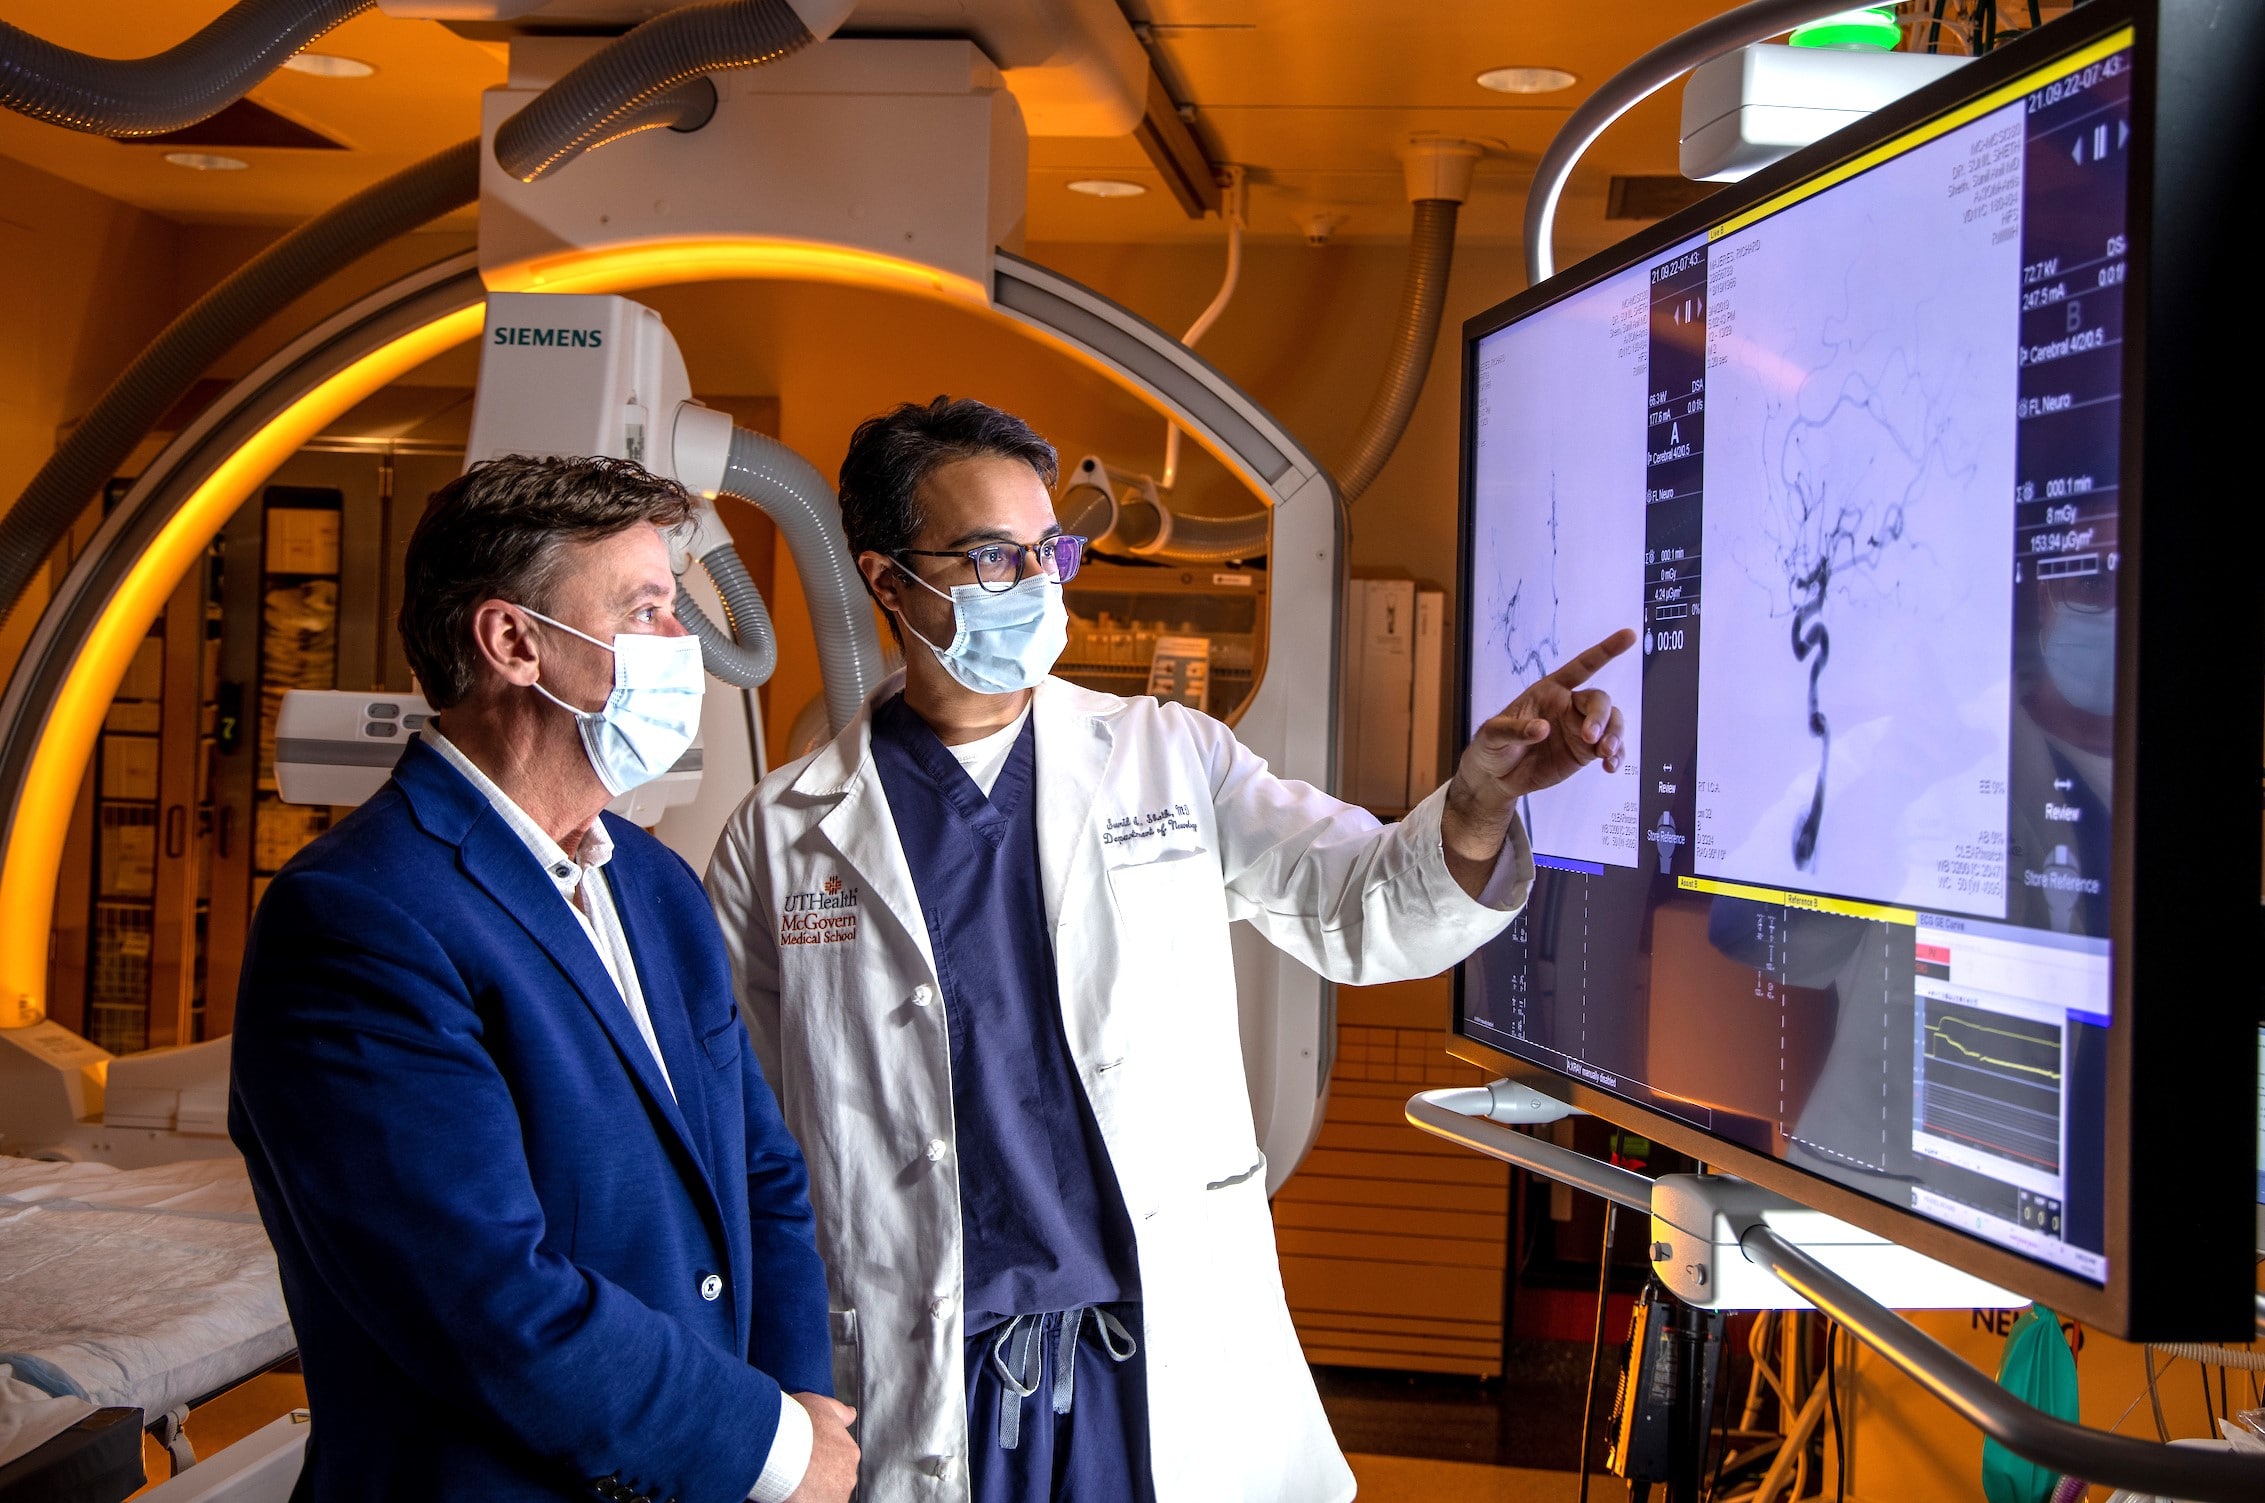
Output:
(1122, 610)
(178, 829)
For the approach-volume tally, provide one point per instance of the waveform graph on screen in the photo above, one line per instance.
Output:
(1993, 1082)
(1855, 704)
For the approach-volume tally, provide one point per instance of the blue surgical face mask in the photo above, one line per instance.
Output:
(653, 713)
(2079, 648)
(1004, 640)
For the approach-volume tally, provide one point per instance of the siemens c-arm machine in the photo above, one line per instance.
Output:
(926, 126)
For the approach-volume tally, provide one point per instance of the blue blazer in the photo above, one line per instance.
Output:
(518, 1267)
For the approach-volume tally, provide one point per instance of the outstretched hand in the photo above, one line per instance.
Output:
(1544, 736)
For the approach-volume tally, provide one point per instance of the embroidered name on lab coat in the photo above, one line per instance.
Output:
(825, 917)
(1155, 824)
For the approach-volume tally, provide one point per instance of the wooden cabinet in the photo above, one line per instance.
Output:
(1393, 1242)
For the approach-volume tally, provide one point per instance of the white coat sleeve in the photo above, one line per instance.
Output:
(739, 888)
(1358, 901)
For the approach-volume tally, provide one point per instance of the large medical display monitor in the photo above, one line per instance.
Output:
(1855, 449)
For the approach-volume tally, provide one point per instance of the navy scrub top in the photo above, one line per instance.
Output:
(1044, 1223)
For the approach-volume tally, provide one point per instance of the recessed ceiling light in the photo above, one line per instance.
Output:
(205, 161)
(1526, 80)
(328, 65)
(1108, 187)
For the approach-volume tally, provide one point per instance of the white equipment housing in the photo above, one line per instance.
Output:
(1075, 67)
(909, 149)
(580, 375)
(1696, 1223)
(63, 1097)
(336, 746)
(1745, 109)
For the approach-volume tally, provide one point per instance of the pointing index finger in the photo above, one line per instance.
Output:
(1584, 665)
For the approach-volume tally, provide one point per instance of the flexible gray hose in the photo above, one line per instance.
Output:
(1214, 540)
(683, 109)
(147, 96)
(163, 373)
(795, 496)
(578, 111)
(1087, 512)
(2214, 1356)
(1138, 524)
(1431, 252)
(746, 655)
(1188, 539)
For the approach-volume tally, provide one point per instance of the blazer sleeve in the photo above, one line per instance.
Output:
(793, 1340)
(394, 1153)
(1356, 900)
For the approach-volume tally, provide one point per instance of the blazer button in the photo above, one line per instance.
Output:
(922, 995)
(711, 1286)
(937, 1148)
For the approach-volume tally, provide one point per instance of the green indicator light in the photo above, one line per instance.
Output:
(1874, 29)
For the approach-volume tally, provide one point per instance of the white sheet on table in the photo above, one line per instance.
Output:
(149, 1287)
(30, 1417)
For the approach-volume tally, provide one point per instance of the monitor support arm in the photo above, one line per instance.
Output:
(1480, 1118)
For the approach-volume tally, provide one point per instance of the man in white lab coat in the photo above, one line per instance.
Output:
(981, 940)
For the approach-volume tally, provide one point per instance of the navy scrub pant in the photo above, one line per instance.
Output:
(1084, 1440)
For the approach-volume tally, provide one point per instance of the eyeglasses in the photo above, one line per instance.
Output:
(999, 566)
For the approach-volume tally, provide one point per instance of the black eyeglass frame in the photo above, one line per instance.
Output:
(1030, 552)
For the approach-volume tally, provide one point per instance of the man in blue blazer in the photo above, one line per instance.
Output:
(541, 1229)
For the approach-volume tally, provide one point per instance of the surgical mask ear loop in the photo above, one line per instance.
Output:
(537, 685)
(959, 628)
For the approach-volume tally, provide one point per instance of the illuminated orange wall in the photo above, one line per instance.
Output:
(84, 282)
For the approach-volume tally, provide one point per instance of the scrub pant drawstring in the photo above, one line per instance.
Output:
(1016, 1356)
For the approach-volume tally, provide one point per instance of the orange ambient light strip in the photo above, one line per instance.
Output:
(659, 263)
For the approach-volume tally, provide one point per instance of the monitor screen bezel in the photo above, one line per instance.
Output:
(2147, 1255)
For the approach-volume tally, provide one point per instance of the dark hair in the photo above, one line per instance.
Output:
(494, 533)
(892, 455)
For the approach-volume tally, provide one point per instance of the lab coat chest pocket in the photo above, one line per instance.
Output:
(1174, 987)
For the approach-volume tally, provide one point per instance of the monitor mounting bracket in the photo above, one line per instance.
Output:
(1721, 1243)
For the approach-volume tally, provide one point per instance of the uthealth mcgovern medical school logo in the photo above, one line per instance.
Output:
(825, 917)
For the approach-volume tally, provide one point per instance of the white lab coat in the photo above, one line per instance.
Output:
(1156, 828)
